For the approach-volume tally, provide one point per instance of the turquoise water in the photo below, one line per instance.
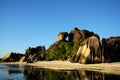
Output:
(19, 72)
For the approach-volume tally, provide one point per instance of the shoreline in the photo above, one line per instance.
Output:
(108, 68)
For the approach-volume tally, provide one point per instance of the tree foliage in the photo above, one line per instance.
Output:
(38, 52)
(61, 51)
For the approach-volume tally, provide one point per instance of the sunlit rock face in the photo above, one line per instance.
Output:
(6, 56)
(22, 59)
(62, 36)
(111, 49)
(90, 51)
(12, 57)
(77, 34)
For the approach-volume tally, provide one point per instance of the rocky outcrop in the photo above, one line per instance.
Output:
(12, 57)
(35, 54)
(90, 51)
(77, 34)
(62, 36)
(111, 49)
(54, 44)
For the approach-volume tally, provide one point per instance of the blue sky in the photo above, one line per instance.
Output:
(30, 23)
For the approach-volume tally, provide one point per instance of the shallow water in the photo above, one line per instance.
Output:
(20, 72)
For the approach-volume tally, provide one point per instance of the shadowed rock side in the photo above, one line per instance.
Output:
(111, 49)
(77, 34)
(90, 51)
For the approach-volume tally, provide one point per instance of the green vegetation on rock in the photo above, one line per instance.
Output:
(76, 46)
(61, 51)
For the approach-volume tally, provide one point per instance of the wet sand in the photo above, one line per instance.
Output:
(110, 68)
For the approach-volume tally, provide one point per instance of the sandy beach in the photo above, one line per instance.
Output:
(109, 68)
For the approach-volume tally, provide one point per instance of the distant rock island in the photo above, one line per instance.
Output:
(82, 46)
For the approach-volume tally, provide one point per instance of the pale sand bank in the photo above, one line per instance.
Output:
(112, 68)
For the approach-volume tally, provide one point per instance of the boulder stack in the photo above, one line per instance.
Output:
(62, 36)
(77, 34)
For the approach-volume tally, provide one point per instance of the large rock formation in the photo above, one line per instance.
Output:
(89, 52)
(77, 34)
(111, 49)
(62, 36)
(12, 57)
(92, 49)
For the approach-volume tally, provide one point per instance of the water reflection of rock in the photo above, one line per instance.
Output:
(14, 69)
(32, 73)
(13, 72)
(91, 75)
(87, 75)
